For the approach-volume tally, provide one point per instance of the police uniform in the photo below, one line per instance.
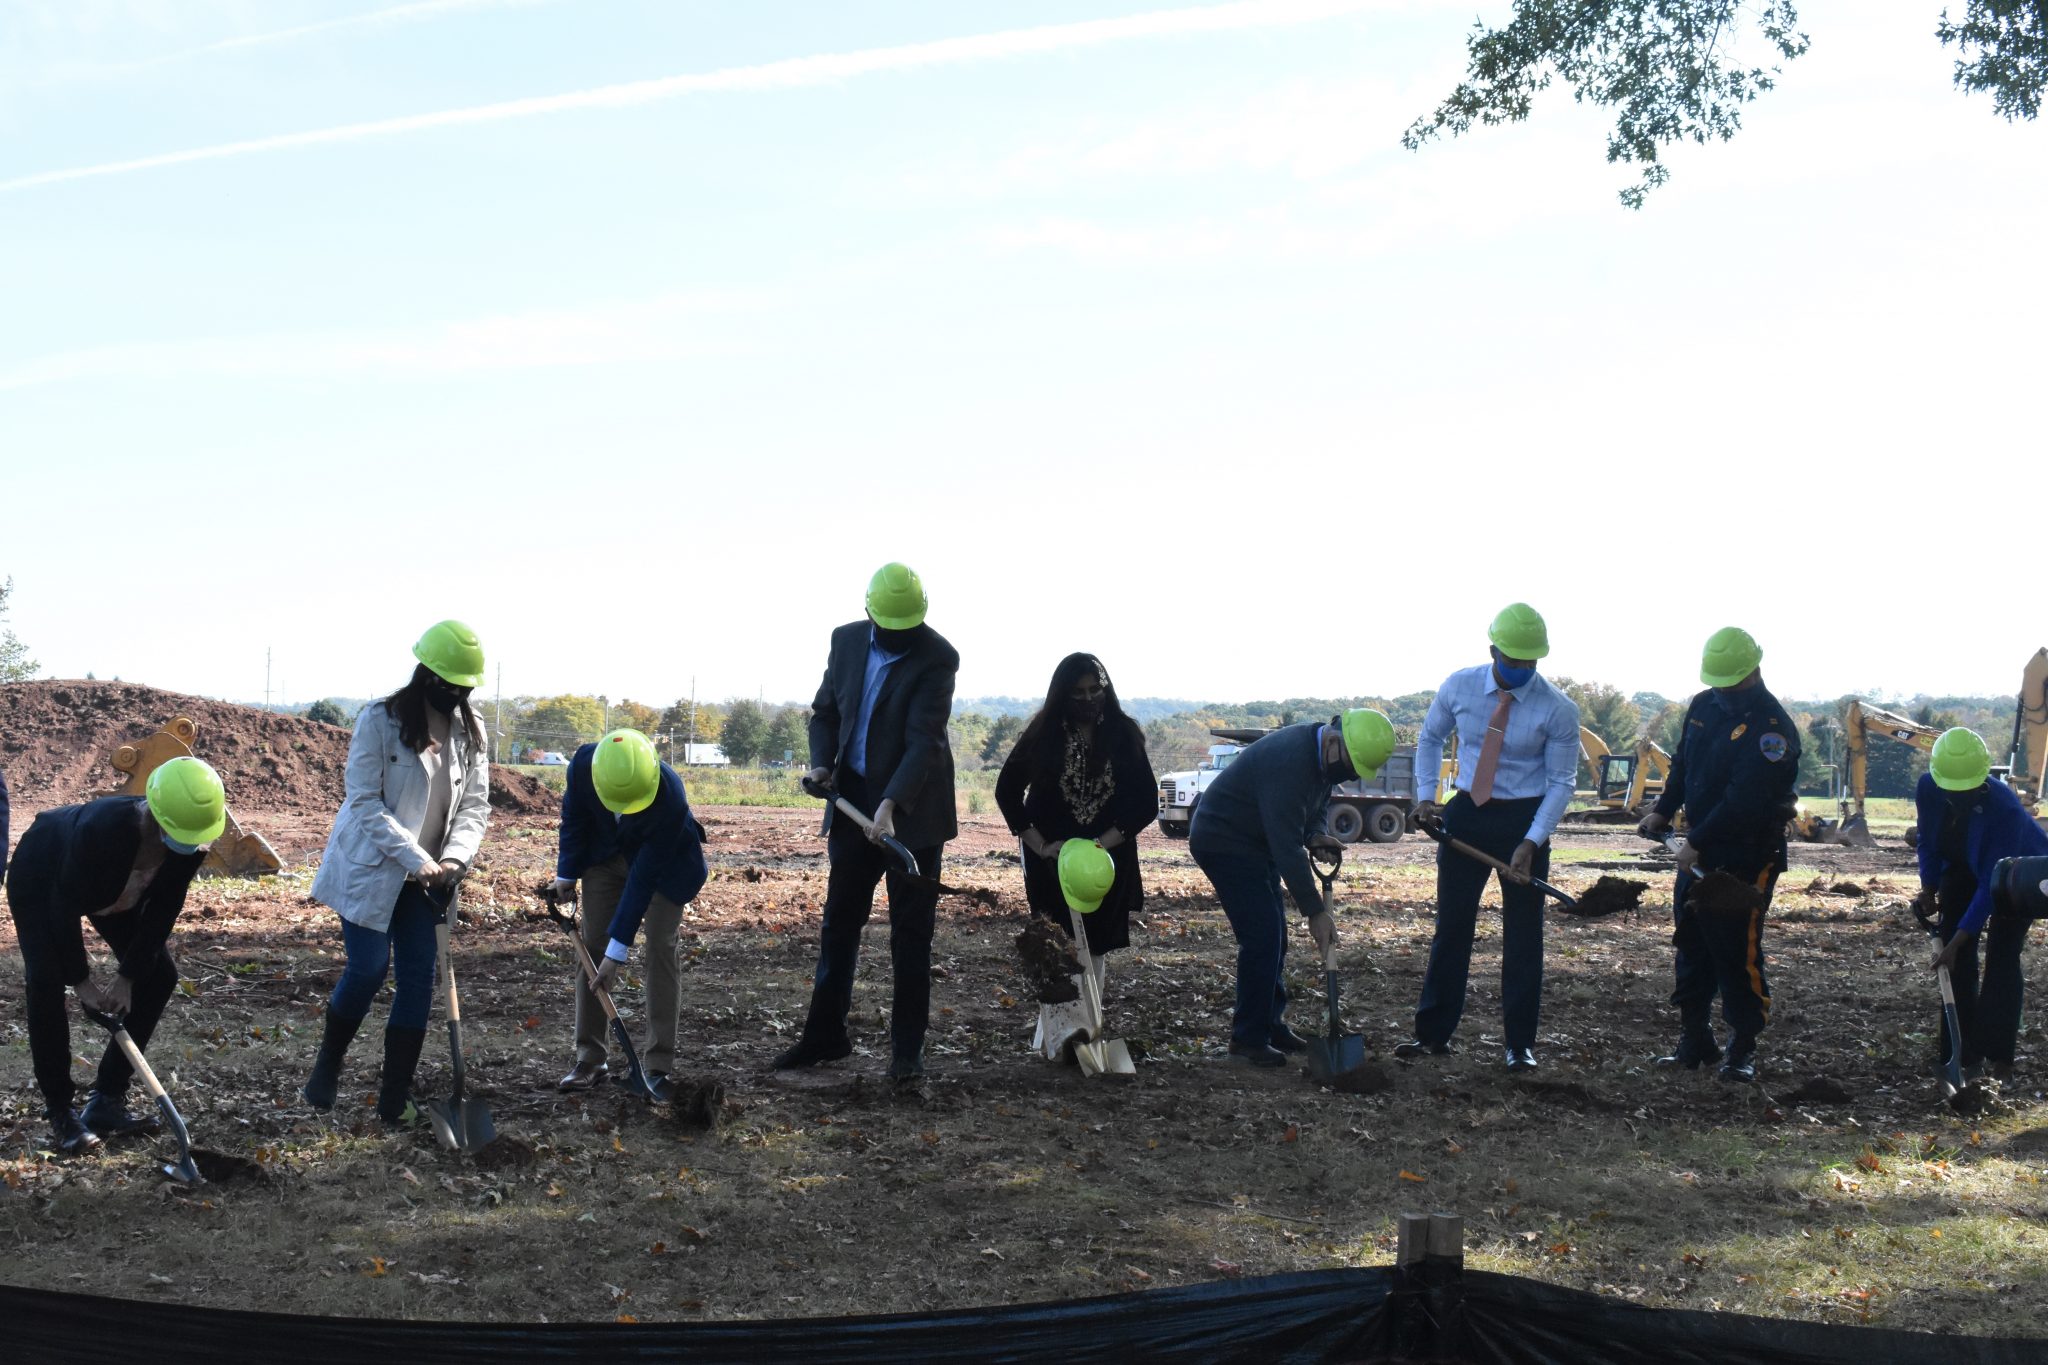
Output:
(1734, 774)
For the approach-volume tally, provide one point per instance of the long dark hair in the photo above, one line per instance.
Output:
(1114, 733)
(409, 705)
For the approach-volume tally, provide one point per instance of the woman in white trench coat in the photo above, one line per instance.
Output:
(418, 796)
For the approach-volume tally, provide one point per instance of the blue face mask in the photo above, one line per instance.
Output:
(1512, 678)
(174, 846)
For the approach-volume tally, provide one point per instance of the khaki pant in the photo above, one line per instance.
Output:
(602, 887)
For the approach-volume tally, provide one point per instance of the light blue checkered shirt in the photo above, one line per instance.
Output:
(1539, 756)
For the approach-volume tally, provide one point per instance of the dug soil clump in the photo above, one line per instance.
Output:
(1049, 963)
(1609, 896)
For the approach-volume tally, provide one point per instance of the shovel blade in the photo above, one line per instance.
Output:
(1109, 1058)
(1328, 1057)
(461, 1125)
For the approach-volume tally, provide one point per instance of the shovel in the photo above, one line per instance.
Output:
(1435, 830)
(1101, 1057)
(183, 1168)
(1336, 1052)
(1952, 1065)
(905, 860)
(636, 1079)
(460, 1125)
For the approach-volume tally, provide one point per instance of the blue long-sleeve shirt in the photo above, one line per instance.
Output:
(1999, 828)
(1267, 805)
(1539, 753)
(663, 845)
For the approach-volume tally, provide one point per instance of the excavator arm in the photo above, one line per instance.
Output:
(238, 852)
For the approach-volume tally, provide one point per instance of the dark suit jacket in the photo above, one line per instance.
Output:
(909, 758)
(663, 845)
(75, 860)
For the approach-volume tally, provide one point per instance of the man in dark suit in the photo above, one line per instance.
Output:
(628, 835)
(878, 737)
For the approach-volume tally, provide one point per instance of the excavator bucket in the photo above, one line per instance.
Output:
(1855, 832)
(238, 852)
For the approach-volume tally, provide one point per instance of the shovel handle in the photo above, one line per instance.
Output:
(1435, 830)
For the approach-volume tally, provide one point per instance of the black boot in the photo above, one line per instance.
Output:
(335, 1036)
(69, 1133)
(401, 1058)
(106, 1113)
(1741, 1064)
(1696, 1043)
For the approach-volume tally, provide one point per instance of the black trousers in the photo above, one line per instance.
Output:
(1498, 828)
(1988, 1013)
(857, 867)
(50, 937)
(1724, 953)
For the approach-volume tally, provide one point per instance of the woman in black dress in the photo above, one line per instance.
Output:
(1079, 771)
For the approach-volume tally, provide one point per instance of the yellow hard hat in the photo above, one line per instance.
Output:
(189, 802)
(1086, 874)
(1368, 738)
(896, 598)
(1960, 761)
(451, 650)
(1730, 656)
(625, 772)
(1518, 632)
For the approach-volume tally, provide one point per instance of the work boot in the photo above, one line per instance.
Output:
(335, 1036)
(71, 1136)
(401, 1058)
(106, 1113)
(1695, 1046)
(1741, 1064)
(1285, 1039)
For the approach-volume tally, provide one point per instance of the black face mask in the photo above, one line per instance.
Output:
(1084, 712)
(1962, 802)
(895, 641)
(444, 698)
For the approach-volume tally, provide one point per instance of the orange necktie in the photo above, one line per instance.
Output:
(1489, 752)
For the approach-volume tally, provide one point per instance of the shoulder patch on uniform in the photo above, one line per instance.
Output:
(1773, 745)
(1740, 731)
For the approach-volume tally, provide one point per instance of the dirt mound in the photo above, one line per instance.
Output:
(56, 737)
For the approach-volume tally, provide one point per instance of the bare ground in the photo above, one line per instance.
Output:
(1009, 1179)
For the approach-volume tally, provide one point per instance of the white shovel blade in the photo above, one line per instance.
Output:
(1107, 1058)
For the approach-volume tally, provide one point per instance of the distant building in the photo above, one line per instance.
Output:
(705, 756)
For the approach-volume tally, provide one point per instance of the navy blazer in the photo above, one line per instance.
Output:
(1999, 828)
(910, 759)
(663, 845)
(74, 861)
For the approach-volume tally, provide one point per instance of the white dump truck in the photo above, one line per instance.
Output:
(1377, 810)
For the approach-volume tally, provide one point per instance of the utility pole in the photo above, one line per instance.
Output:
(266, 677)
(499, 747)
(693, 716)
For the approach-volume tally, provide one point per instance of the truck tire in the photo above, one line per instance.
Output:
(1385, 823)
(1175, 829)
(1345, 822)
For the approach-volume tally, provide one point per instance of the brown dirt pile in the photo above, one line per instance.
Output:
(1049, 962)
(1608, 896)
(56, 739)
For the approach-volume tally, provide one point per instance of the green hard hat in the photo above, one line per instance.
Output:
(189, 802)
(451, 650)
(1368, 738)
(1519, 632)
(1960, 761)
(1086, 874)
(625, 772)
(896, 597)
(1730, 656)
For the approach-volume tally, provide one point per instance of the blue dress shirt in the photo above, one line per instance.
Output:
(1539, 755)
(879, 661)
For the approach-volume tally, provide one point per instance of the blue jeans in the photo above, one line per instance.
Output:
(407, 949)
(1250, 891)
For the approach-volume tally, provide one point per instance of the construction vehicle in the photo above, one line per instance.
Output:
(237, 853)
(1624, 786)
(2030, 734)
(1860, 720)
(1378, 810)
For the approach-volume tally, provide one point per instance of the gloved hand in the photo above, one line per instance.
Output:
(1688, 857)
(1652, 826)
(608, 969)
(565, 891)
(1427, 812)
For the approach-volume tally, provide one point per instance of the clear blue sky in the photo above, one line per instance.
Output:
(638, 332)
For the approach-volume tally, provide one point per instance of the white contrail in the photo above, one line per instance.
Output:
(789, 74)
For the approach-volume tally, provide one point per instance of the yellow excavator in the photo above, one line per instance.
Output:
(2030, 734)
(1860, 720)
(237, 853)
(1624, 785)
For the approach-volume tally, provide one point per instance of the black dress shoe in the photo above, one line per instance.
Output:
(70, 1135)
(1257, 1054)
(1285, 1039)
(807, 1053)
(1691, 1052)
(583, 1075)
(106, 1113)
(1740, 1067)
(1521, 1059)
(1415, 1047)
